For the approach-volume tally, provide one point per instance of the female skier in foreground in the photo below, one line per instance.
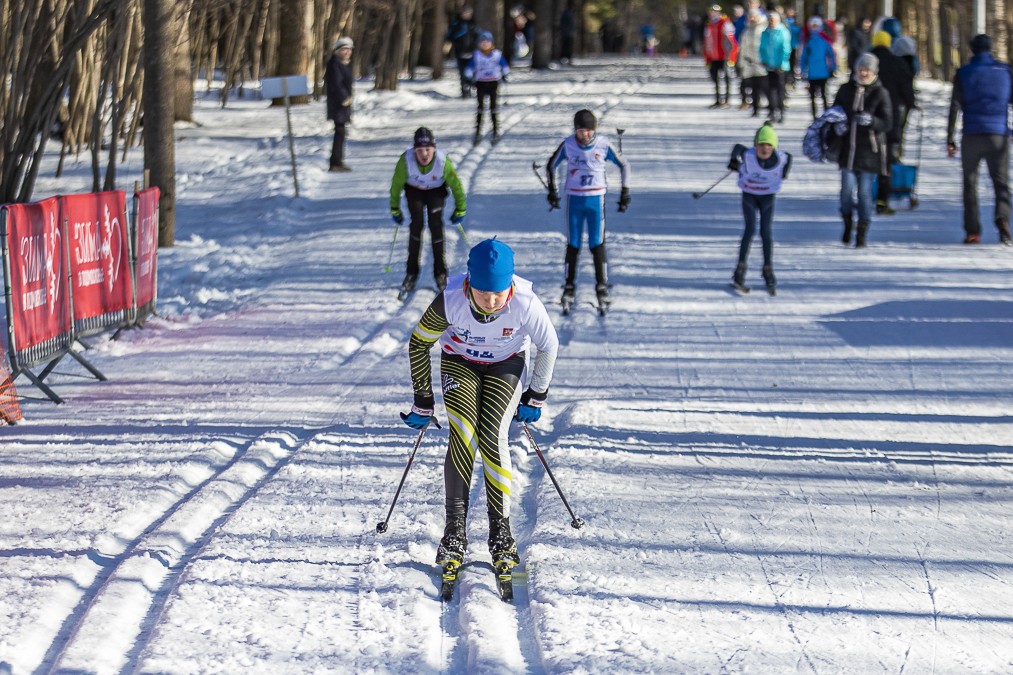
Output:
(484, 322)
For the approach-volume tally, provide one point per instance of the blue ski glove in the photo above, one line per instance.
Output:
(457, 218)
(396, 216)
(418, 418)
(530, 408)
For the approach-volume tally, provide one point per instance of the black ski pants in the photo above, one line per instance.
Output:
(485, 90)
(765, 205)
(462, 64)
(758, 85)
(994, 149)
(717, 68)
(481, 399)
(338, 146)
(775, 91)
(818, 89)
(420, 204)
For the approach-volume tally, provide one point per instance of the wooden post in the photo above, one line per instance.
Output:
(159, 103)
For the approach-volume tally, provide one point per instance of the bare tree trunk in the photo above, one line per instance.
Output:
(542, 53)
(293, 43)
(159, 94)
(439, 27)
(927, 24)
(183, 107)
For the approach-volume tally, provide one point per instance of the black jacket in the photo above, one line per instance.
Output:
(898, 80)
(858, 44)
(863, 148)
(464, 36)
(338, 84)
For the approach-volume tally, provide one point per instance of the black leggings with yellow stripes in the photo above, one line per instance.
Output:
(480, 400)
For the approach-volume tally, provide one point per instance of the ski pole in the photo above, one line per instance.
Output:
(697, 195)
(382, 527)
(391, 258)
(577, 522)
(460, 228)
(535, 168)
(620, 132)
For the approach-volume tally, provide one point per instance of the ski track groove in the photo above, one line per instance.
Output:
(932, 599)
(153, 618)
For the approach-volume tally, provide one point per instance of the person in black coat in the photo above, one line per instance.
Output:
(338, 84)
(463, 34)
(863, 149)
(858, 42)
(898, 80)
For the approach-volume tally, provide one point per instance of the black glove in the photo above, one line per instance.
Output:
(734, 163)
(504, 78)
(624, 200)
(553, 199)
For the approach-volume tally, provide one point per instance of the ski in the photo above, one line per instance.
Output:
(403, 294)
(604, 299)
(449, 580)
(505, 581)
(739, 288)
(567, 300)
(566, 307)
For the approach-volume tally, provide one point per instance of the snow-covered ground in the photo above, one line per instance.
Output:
(816, 482)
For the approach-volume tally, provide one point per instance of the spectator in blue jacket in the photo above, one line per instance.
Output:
(775, 50)
(983, 91)
(819, 63)
(796, 43)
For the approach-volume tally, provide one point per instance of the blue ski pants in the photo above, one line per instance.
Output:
(582, 209)
(750, 205)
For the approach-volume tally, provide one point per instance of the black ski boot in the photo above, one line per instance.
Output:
(769, 279)
(441, 282)
(503, 549)
(860, 234)
(570, 272)
(1005, 238)
(739, 278)
(407, 286)
(478, 130)
(849, 225)
(450, 555)
(495, 128)
(601, 278)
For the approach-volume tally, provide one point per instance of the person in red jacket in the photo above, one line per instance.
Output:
(719, 50)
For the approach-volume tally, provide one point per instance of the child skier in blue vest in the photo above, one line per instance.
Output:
(761, 171)
(586, 154)
(486, 69)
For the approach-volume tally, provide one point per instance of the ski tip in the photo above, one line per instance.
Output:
(381, 527)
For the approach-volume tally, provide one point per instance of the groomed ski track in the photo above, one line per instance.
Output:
(814, 483)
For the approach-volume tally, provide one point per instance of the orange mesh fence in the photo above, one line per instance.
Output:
(10, 408)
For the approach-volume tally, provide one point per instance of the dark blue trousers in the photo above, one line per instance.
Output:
(750, 205)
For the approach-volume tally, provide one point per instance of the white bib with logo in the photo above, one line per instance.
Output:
(756, 180)
(585, 167)
(425, 181)
(488, 67)
(508, 334)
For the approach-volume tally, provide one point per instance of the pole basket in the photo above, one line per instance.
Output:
(10, 407)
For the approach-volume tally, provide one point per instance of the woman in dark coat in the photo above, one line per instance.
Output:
(338, 83)
(863, 149)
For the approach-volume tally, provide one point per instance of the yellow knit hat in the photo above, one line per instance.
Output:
(882, 39)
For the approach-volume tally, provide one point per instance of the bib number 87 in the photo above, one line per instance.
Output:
(586, 180)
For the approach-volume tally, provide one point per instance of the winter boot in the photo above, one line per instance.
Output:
(502, 546)
(972, 239)
(769, 279)
(408, 285)
(739, 276)
(1005, 238)
(849, 225)
(883, 208)
(860, 234)
(441, 282)
(495, 128)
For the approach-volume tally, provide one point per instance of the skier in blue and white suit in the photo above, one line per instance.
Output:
(586, 154)
(486, 69)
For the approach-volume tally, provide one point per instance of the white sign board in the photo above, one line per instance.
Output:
(271, 87)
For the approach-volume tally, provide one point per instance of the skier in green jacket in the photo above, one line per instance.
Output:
(425, 174)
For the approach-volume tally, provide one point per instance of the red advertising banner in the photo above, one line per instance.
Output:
(40, 303)
(98, 238)
(146, 247)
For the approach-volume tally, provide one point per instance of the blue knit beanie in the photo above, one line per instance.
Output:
(482, 37)
(491, 266)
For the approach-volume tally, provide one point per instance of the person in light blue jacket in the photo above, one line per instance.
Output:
(775, 54)
(819, 63)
